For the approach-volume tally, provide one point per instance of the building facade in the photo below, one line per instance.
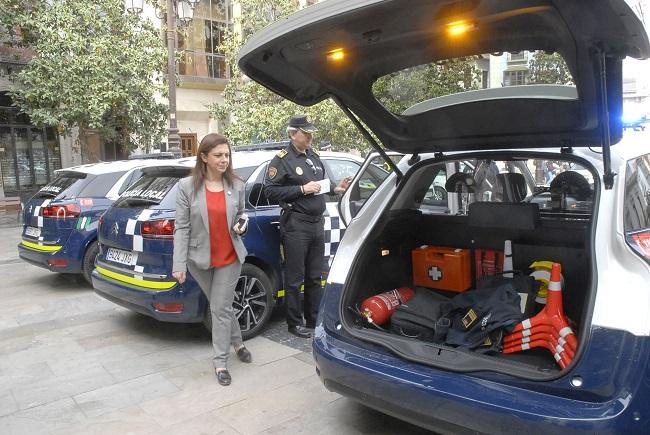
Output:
(29, 155)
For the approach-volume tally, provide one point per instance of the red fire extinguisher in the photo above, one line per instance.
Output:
(378, 309)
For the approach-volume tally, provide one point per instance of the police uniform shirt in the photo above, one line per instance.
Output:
(288, 171)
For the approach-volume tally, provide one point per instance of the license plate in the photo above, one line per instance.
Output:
(33, 232)
(120, 256)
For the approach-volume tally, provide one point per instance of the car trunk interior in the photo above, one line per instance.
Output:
(385, 263)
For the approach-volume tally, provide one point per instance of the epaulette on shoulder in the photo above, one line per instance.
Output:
(281, 153)
(315, 151)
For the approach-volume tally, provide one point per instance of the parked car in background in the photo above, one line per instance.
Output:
(134, 266)
(60, 220)
(470, 360)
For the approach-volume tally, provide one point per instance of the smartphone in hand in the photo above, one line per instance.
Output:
(243, 222)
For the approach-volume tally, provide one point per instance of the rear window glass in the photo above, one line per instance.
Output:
(419, 88)
(93, 186)
(245, 172)
(367, 183)
(560, 188)
(157, 192)
(340, 168)
(636, 212)
(255, 191)
(59, 185)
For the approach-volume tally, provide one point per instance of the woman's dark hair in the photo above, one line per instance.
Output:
(200, 170)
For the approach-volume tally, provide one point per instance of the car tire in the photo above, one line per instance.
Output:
(253, 303)
(254, 300)
(88, 264)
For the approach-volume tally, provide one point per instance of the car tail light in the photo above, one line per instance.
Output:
(158, 229)
(168, 307)
(640, 242)
(62, 211)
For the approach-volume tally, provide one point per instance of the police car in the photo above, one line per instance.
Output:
(134, 266)
(60, 220)
(486, 146)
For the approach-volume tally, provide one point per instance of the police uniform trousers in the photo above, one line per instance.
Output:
(218, 284)
(303, 243)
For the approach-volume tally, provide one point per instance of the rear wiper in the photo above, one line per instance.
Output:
(133, 200)
(47, 194)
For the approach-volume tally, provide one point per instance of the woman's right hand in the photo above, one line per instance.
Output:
(180, 276)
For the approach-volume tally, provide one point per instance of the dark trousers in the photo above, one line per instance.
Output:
(303, 243)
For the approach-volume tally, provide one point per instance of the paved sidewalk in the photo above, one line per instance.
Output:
(74, 363)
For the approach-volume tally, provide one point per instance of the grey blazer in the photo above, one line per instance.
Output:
(191, 232)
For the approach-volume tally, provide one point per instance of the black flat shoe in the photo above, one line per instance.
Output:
(244, 355)
(223, 377)
(299, 331)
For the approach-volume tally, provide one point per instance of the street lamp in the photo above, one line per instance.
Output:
(183, 11)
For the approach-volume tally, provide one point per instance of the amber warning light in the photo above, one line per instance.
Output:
(336, 55)
(458, 28)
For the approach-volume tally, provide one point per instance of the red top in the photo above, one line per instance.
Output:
(222, 252)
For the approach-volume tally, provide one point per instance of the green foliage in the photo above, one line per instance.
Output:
(253, 114)
(402, 89)
(16, 18)
(549, 69)
(94, 66)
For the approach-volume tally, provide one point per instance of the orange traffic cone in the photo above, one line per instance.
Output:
(551, 317)
(559, 345)
(562, 359)
(524, 336)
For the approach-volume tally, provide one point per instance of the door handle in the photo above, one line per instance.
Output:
(276, 223)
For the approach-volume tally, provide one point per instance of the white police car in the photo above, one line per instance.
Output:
(488, 146)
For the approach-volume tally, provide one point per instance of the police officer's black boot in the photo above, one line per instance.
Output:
(300, 331)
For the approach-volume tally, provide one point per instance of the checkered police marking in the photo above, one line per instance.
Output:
(334, 229)
(37, 210)
(130, 228)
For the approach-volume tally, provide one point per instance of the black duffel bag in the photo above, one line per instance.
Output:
(422, 317)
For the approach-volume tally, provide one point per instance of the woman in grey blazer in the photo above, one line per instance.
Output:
(207, 242)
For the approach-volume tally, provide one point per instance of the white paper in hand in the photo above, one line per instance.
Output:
(324, 186)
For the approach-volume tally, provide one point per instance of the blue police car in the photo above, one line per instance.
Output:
(60, 220)
(133, 268)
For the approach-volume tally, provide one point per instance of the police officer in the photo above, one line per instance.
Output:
(296, 179)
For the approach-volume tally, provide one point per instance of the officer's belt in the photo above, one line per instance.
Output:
(306, 217)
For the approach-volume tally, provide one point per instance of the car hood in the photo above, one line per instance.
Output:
(380, 37)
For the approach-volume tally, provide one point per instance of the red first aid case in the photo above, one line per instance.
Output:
(442, 268)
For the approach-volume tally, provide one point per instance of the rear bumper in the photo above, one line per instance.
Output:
(40, 258)
(449, 402)
(141, 299)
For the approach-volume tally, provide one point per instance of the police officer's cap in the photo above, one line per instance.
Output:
(302, 122)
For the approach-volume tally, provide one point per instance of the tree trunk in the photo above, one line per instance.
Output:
(89, 142)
